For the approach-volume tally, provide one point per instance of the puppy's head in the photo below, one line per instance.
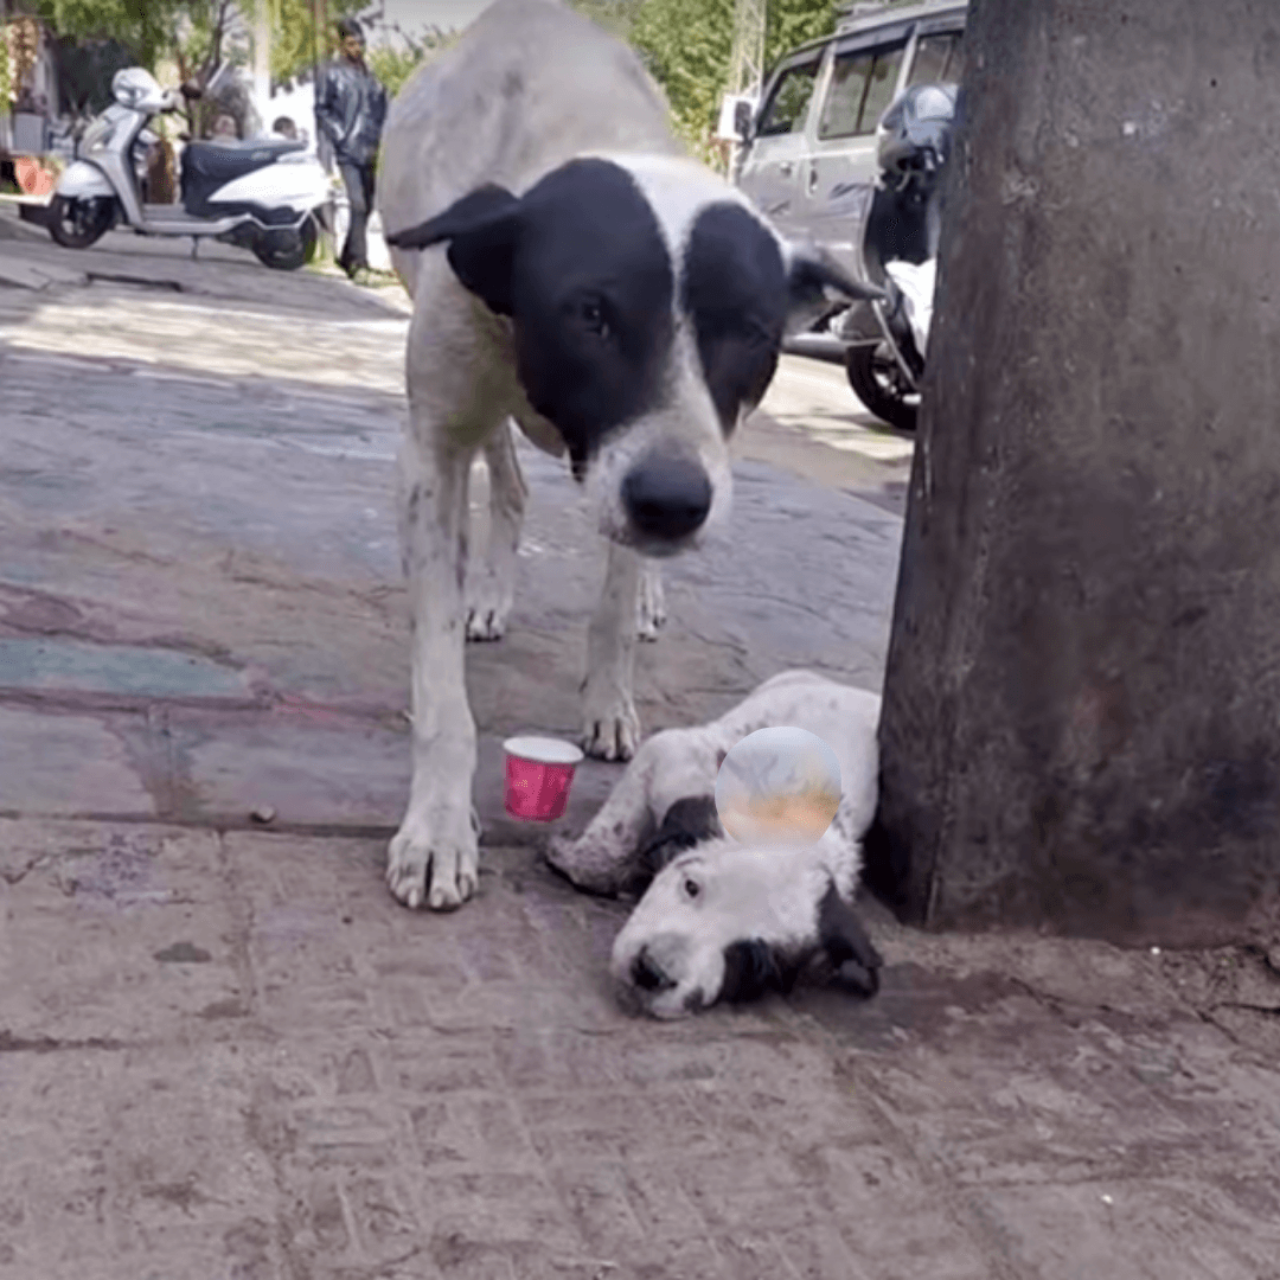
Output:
(724, 922)
(648, 303)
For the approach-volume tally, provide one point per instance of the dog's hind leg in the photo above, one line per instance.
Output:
(434, 857)
(651, 608)
(611, 728)
(490, 589)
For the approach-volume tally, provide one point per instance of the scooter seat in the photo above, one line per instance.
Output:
(211, 164)
(207, 166)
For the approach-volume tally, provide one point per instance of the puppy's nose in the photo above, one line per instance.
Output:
(646, 974)
(667, 498)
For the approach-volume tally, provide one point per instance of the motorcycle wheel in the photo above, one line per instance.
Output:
(76, 223)
(287, 250)
(880, 385)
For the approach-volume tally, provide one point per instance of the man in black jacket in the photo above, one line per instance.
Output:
(350, 108)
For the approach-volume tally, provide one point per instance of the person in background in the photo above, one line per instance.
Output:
(351, 106)
(285, 128)
(224, 129)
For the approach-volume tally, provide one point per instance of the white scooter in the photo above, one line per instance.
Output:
(265, 195)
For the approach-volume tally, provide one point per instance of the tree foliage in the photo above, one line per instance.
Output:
(687, 46)
(296, 45)
(196, 34)
(147, 28)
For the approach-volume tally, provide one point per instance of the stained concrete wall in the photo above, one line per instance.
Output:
(1082, 717)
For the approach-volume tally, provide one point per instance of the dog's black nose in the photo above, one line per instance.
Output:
(646, 974)
(667, 498)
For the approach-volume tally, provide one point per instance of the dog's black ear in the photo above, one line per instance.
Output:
(841, 935)
(481, 231)
(751, 968)
(688, 822)
(810, 274)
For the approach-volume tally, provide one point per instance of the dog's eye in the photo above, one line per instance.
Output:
(593, 319)
(691, 887)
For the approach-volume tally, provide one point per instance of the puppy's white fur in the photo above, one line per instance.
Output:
(721, 892)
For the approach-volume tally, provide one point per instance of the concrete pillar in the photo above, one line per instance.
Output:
(1082, 717)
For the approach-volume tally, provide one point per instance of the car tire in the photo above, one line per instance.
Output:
(76, 223)
(878, 383)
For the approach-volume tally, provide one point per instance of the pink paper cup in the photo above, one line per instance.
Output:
(539, 775)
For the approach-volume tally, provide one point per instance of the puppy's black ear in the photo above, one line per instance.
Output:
(688, 822)
(751, 968)
(481, 230)
(842, 937)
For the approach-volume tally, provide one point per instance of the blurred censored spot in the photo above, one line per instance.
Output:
(778, 786)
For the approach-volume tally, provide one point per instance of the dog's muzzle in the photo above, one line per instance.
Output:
(648, 975)
(666, 499)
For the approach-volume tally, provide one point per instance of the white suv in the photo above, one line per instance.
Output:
(812, 146)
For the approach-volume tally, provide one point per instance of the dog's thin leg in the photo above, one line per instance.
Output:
(651, 612)
(602, 857)
(490, 593)
(611, 728)
(435, 855)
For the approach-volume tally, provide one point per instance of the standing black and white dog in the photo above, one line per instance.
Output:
(719, 920)
(621, 303)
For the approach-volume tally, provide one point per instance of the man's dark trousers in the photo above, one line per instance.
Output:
(358, 179)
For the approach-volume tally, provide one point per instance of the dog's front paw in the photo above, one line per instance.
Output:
(651, 604)
(488, 606)
(439, 868)
(611, 730)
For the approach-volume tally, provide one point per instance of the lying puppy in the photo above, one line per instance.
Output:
(720, 920)
(571, 270)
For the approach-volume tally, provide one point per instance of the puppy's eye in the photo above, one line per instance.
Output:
(592, 317)
(691, 887)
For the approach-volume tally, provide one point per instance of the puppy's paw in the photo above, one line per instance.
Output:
(585, 863)
(488, 607)
(439, 869)
(611, 731)
(651, 604)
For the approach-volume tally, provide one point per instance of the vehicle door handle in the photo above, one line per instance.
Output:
(786, 168)
(813, 178)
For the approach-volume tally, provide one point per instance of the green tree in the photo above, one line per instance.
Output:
(687, 45)
(148, 28)
(793, 22)
(295, 43)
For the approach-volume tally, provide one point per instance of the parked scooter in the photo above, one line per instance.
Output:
(265, 195)
(886, 340)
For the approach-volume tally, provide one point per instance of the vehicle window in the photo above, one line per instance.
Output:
(789, 102)
(939, 59)
(862, 86)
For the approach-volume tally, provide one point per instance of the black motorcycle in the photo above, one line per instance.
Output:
(883, 360)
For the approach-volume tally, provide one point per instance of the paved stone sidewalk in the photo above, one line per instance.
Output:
(233, 1056)
(225, 1052)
